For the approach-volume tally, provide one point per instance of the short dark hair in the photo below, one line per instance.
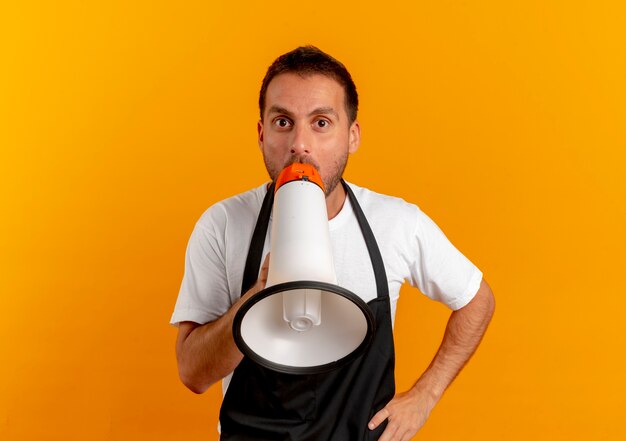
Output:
(309, 60)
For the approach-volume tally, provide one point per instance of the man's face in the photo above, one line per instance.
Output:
(305, 120)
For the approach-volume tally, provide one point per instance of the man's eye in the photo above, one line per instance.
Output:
(282, 122)
(322, 123)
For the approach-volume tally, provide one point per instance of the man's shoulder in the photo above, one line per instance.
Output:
(242, 206)
(371, 200)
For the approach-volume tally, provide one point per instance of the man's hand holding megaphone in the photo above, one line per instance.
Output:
(258, 286)
(198, 367)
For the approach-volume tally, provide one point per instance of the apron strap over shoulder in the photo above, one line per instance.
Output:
(370, 241)
(255, 252)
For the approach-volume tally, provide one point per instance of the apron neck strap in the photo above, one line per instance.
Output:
(382, 288)
(255, 252)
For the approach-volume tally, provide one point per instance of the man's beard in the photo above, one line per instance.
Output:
(330, 182)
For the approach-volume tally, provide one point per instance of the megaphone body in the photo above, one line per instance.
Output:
(302, 322)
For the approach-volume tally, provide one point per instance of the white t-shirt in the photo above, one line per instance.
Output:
(413, 248)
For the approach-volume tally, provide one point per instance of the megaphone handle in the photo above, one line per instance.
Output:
(255, 253)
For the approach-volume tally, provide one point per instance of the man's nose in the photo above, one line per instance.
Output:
(301, 141)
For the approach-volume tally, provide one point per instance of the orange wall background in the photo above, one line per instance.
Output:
(120, 122)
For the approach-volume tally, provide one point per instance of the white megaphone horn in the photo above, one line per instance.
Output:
(302, 322)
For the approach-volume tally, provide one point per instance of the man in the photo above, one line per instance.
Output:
(308, 106)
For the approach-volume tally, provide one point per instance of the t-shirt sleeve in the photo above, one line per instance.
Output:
(440, 271)
(204, 293)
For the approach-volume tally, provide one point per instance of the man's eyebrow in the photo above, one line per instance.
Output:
(318, 111)
(324, 110)
(278, 109)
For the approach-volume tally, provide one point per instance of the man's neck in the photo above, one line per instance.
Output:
(335, 201)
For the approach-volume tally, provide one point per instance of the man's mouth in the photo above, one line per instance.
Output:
(303, 160)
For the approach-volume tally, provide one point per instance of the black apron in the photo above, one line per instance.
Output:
(264, 405)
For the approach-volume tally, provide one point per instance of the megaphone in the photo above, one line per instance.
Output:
(302, 322)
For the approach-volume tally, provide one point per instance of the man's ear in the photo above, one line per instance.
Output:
(354, 140)
(259, 130)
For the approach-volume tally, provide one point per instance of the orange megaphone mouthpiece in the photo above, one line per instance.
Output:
(299, 172)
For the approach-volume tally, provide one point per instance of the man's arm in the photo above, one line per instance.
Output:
(408, 411)
(207, 353)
